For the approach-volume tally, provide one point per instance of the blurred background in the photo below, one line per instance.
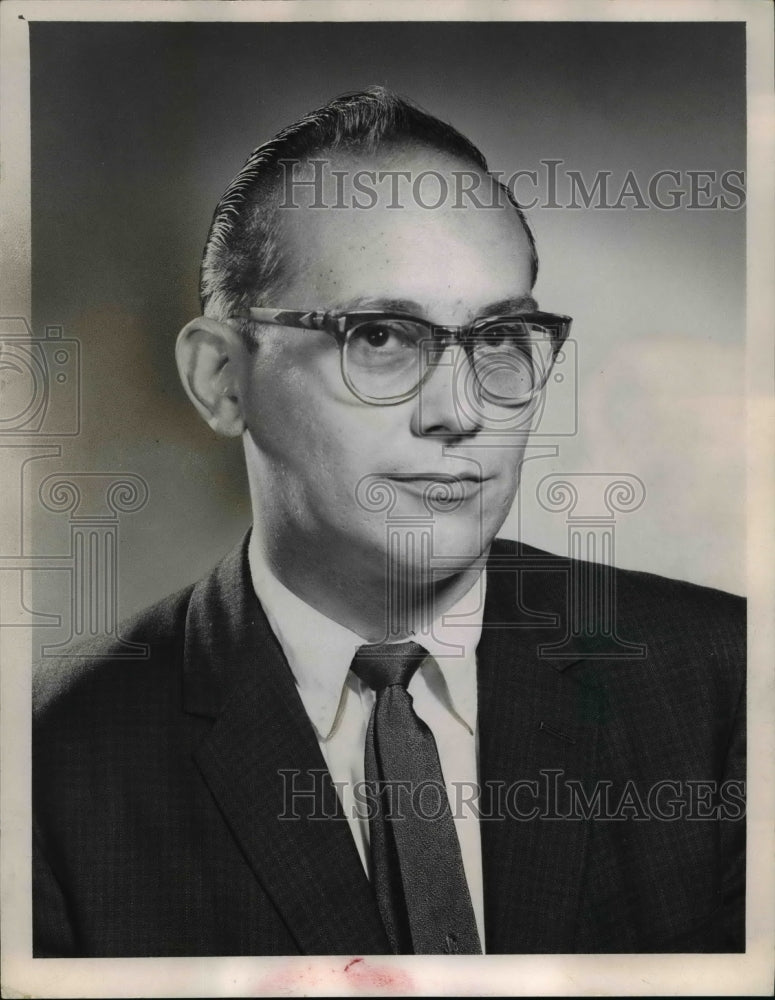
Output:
(137, 128)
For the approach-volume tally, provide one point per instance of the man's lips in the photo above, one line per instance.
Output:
(436, 477)
(440, 486)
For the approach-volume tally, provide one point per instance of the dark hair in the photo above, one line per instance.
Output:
(242, 261)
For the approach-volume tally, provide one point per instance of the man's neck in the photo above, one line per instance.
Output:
(390, 604)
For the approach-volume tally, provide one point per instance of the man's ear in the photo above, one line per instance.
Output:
(211, 357)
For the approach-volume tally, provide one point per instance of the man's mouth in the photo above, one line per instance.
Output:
(440, 488)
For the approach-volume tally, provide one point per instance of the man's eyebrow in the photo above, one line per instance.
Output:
(513, 304)
(516, 304)
(383, 304)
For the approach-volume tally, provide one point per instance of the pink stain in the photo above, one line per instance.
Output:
(377, 977)
(355, 978)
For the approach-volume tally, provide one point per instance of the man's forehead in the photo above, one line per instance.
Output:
(373, 233)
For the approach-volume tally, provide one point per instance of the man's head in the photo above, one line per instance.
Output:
(244, 261)
(334, 477)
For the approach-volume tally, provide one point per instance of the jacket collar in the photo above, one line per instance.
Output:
(527, 597)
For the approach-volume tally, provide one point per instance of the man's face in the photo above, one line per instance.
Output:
(323, 462)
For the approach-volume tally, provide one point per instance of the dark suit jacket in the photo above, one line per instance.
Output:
(158, 783)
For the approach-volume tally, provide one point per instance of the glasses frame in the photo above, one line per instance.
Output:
(339, 324)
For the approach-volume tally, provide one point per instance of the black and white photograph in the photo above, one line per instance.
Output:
(386, 432)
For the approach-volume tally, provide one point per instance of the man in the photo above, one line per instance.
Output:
(372, 728)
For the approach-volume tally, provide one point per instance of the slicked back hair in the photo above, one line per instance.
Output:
(243, 263)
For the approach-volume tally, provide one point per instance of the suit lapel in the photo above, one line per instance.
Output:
(263, 765)
(537, 726)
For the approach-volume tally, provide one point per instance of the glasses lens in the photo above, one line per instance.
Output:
(383, 357)
(512, 359)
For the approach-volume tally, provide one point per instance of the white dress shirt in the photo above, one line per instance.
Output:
(320, 651)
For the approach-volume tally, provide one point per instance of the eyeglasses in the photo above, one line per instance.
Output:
(387, 356)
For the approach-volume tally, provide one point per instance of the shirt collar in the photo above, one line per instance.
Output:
(319, 650)
(452, 640)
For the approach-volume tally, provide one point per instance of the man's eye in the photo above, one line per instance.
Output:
(384, 348)
(513, 337)
(385, 336)
(377, 336)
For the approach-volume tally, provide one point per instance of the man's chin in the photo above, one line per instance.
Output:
(423, 554)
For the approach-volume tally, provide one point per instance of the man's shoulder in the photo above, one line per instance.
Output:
(145, 653)
(636, 591)
(644, 639)
(684, 631)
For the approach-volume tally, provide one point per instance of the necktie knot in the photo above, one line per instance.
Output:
(385, 664)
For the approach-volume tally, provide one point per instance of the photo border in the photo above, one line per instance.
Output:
(560, 975)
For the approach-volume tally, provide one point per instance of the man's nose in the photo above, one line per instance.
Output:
(447, 403)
